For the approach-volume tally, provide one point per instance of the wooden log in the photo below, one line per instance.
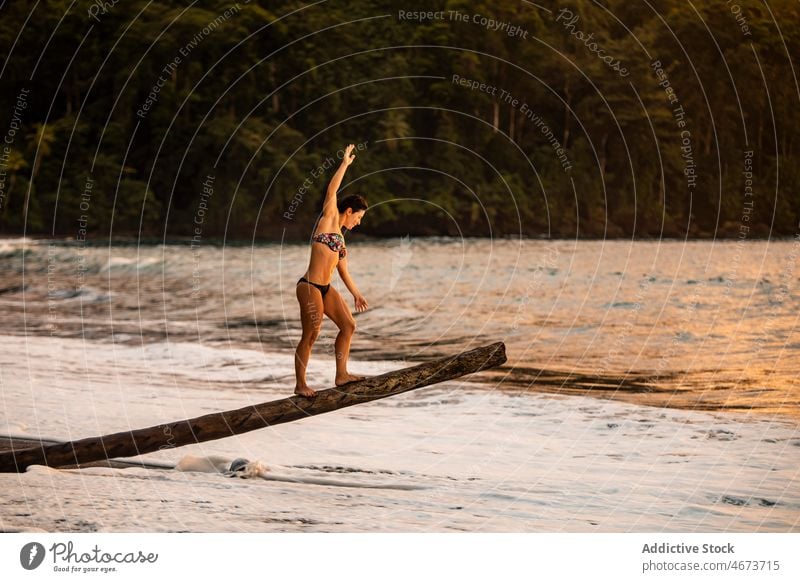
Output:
(224, 424)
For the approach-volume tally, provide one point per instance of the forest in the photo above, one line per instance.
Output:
(224, 121)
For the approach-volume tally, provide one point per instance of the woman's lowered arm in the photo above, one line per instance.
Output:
(360, 302)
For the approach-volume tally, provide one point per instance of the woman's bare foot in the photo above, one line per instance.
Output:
(305, 391)
(347, 378)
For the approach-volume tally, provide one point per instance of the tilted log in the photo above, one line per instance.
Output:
(224, 424)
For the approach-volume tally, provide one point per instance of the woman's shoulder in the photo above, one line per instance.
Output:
(328, 224)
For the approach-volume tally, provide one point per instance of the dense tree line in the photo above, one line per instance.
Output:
(214, 119)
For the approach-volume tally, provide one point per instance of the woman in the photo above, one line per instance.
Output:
(314, 291)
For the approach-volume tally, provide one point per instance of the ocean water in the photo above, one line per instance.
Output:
(650, 386)
(694, 325)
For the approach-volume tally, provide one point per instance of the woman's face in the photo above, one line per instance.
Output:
(353, 219)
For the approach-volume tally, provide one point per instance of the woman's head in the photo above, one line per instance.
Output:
(351, 210)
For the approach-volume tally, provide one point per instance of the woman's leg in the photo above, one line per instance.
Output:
(336, 309)
(311, 311)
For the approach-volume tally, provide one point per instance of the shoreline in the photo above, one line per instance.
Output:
(631, 387)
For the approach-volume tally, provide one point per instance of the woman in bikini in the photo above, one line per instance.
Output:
(314, 291)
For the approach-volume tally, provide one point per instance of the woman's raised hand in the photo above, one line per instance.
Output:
(349, 156)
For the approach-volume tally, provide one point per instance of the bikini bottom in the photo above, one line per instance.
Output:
(323, 288)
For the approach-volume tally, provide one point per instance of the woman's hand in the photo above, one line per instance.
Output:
(361, 303)
(349, 156)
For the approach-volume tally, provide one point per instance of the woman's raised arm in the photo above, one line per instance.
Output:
(330, 197)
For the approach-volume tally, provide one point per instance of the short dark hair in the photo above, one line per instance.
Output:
(354, 201)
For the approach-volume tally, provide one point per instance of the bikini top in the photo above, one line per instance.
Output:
(334, 240)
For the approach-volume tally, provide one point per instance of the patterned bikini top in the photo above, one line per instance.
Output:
(334, 240)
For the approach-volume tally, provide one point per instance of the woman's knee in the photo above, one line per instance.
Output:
(309, 337)
(348, 327)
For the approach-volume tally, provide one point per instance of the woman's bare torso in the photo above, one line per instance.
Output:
(323, 259)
